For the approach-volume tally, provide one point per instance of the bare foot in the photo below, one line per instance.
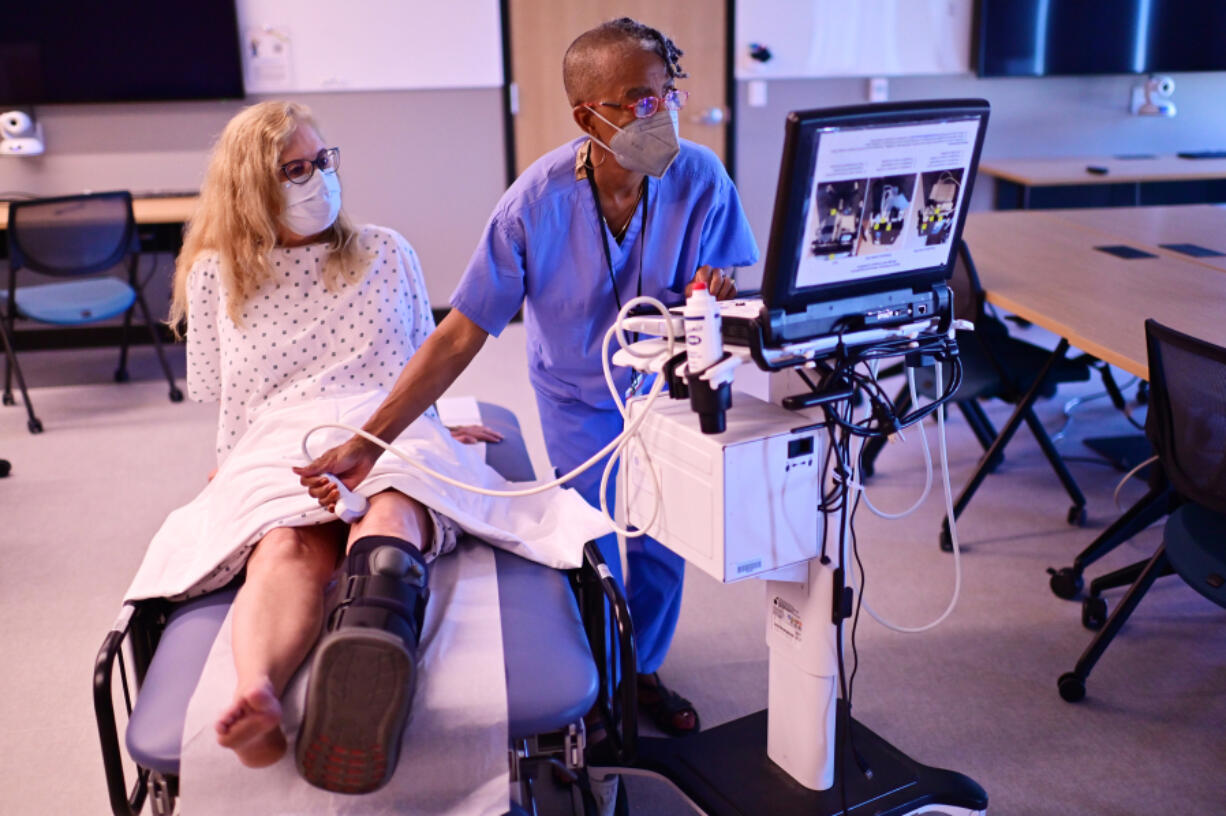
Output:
(251, 726)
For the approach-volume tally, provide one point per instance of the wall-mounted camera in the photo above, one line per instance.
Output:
(1151, 98)
(20, 135)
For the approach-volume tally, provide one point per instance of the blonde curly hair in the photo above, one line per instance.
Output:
(240, 202)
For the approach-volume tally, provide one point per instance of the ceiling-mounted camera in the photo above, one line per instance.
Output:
(1152, 97)
(20, 135)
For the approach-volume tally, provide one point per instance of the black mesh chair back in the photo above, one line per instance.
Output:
(71, 235)
(1187, 413)
(1187, 427)
(964, 283)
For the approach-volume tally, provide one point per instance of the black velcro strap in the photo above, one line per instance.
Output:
(357, 562)
(375, 616)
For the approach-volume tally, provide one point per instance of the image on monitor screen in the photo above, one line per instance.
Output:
(839, 208)
(938, 207)
(884, 199)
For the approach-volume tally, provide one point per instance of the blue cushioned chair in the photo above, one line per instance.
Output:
(77, 239)
(567, 643)
(1187, 428)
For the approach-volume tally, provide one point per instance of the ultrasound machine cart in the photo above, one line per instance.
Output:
(805, 754)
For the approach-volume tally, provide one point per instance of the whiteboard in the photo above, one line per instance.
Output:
(830, 38)
(293, 46)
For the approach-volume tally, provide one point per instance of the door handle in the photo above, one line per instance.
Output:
(711, 116)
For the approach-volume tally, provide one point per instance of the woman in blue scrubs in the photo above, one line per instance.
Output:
(626, 209)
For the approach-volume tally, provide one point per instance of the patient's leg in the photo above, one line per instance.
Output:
(395, 514)
(364, 672)
(277, 616)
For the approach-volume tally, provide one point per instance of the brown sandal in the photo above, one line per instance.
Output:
(666, 707)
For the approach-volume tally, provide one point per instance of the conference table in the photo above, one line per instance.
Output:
(173, 209)
(1017, 179)
(1043, 265)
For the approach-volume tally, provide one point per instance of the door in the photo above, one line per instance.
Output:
(541, 30)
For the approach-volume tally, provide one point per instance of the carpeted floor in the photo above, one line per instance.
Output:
(977, 694)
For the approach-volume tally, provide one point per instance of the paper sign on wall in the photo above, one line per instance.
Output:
(266, 55)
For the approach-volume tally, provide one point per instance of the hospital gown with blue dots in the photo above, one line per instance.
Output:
(299, 339)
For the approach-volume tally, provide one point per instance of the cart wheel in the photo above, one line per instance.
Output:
(1093, 613)
(35, 426)
(176, 395)
(1072, 688)
(1077, 515)
(1065, 582)
(121, 375)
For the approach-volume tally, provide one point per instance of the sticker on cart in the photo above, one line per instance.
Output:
(749, 567)
(785, 619)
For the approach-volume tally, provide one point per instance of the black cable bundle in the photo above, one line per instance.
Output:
(844, 369)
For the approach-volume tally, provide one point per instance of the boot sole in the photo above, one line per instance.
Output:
(357, 705)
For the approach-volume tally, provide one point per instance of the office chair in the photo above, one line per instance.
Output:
(996, 365)
(1187, 426)
(76, 238)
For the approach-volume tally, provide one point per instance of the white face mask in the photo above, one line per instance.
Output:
(312, 207)
(645, 145)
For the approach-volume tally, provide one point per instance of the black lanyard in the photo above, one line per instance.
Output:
(604, 236)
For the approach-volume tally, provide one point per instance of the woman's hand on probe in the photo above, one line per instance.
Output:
(350, 462)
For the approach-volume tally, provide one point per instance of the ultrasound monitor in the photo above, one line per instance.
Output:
(870, 206)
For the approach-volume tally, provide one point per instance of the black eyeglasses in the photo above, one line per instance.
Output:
(299, 171)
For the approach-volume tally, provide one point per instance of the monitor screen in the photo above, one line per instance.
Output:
(870, 198)
(58, 51)
(1070, 37)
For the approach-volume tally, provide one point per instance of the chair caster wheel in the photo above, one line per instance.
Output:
(35, 426)
(8, 400)
(947, 542)
(1077, 515)
(1072, 688)
(176, 395)
(1065, 582)
(5, 468)
(122, 375)
(1093, 613)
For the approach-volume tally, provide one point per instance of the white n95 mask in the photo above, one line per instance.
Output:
(645, 145)
(312, 207)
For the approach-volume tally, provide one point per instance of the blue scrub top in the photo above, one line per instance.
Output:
(542, 249)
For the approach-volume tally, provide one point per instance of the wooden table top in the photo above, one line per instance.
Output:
(1068, 170)
(1148, 227)
(1042, 265)
(174, 210)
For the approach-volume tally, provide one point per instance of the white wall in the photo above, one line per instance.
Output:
(427, 163)
(831, 38)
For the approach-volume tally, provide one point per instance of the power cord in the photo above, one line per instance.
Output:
(613, 449)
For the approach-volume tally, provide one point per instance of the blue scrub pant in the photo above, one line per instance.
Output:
(573, 432)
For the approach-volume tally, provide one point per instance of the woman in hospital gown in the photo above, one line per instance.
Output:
(297, 318)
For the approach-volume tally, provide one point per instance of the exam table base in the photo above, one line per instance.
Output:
(725, 772)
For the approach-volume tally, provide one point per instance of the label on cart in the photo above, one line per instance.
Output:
(785, 620)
